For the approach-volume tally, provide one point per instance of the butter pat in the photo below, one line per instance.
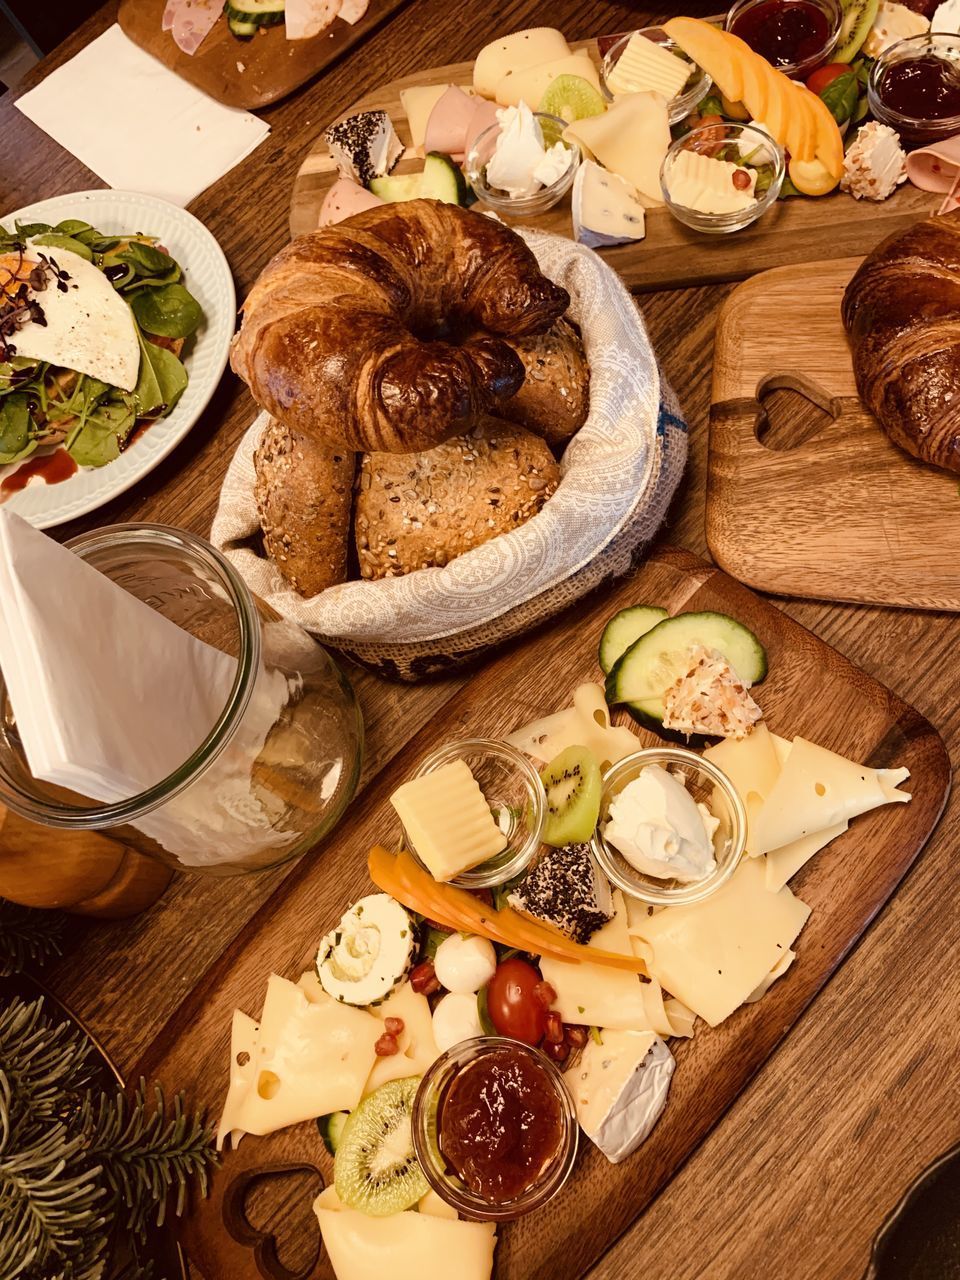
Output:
(645, 65)
(448, 821)
(708, 185)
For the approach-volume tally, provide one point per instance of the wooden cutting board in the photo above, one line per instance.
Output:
(672, 255)
(811, 690)
(248, 73)
(844, 515)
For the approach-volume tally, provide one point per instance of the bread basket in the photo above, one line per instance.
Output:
(618, 475)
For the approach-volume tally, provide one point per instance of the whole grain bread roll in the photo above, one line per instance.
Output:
(555, 397)
(304, 493)
(416, 511)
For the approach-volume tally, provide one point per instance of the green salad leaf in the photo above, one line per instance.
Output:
(162, 380)
(170, 311)
(711, 105)
(147, 259)
(14, 427)
(55, 240)
(841, 96)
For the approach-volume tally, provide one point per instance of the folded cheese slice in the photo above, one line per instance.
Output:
(585, 724)
(753, 766)
(630, 138)
(778, 970)
(417, 1047)
(783, 864)
(244, 1038)
(818, 788)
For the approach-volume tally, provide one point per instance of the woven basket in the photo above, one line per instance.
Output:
(618, 475)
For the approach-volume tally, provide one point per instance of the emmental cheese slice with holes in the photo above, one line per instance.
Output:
(244, 1036)
(585, 724)
(516, 52)
(417, 1047)
(783, 864)
(405, 1246)
(711, 955)
(752, 765)
(531, 83)
(630, 139)
(818, 788)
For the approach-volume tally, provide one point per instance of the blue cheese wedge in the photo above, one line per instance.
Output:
(620, 1088)
(364, 146)
(566, 889)
(606, 209)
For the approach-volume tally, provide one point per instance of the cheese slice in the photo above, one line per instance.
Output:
(647, 65)
(448, 821)
(708, 184)
(418, 1049)
(630, 138)
(585, 724)
(529, 84)
(783, 864)
(606, 210)
(516, 52)
(782, 747)
(666, 1017)
(417, 103)
(404, 1246)
(596, 995)
(244, 1040)
(778, 970)
(752, 765)
(818, 788)
(436, 1206)
(713, 954)
(620, 1089)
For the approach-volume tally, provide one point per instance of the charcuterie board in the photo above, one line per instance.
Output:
(248, 73)
(845, 514)
(266, 1186)
(795, 230)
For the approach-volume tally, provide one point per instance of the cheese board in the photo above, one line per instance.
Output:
(810, 689)
(855, 517)
(672, 255)
(255, 72)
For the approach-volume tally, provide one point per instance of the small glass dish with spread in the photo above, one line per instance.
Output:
(707, 786)
(481, 153)
(742, 147)
(682, 104)
(914, 87)
(469, 1133)
(795, 36)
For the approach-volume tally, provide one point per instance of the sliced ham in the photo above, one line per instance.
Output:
(448, 122)
(344, 199)
(190, 21)
(307, 18)
(353, 10)
(483, 117)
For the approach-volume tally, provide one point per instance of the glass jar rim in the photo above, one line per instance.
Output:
(118, 813)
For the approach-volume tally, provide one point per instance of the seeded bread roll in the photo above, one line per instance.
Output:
(555, 397)
(418, 510)
(304, 492)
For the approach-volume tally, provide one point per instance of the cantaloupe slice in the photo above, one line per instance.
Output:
(829, 149)
(802, 127)
(709, 49)
(755, 87)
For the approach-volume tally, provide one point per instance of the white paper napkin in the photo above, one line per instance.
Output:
(136, 124)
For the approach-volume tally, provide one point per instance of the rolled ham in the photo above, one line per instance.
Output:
(344, 199)
(448, 122)
(190, 21)
(308, 18)
(937, 168)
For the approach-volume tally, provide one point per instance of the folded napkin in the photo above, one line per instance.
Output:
(136, 124)
(937, 168)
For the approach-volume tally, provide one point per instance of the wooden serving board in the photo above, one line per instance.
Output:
(844, 515)
(672, 255)
(248, 73)
(811, 690)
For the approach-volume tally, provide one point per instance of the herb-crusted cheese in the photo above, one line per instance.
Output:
(364, 146)
(566, 889)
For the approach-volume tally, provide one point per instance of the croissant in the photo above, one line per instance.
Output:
(338, 336)
(902, 312)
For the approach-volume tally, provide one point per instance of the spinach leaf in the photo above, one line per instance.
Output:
(55, 240)
(162, 380)
(841, 96)
(711, 105)
(27, 229)
(74, 227)
(147, 391)
(170, 312)
(146, 259)
(94, 443)
(14, 426)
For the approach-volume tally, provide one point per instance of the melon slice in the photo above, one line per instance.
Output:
(708, 47)
(802, 127)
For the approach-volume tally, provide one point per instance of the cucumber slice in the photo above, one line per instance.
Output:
(331, 1127)
(241, 27)
(653, 663)
(262, 13)
(396, 187)
(623, 629)
(443, 180)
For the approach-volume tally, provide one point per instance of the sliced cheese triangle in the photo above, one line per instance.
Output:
(418, 1049)
(630, 138)
(753, 766)
(244, 1039)
(783, 864)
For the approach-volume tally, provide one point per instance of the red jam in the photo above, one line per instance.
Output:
(51, 468)
(923, 88)
(785, 32)
(501, 1124)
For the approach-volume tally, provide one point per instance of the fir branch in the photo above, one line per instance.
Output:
(27, 937)
(47, 1064)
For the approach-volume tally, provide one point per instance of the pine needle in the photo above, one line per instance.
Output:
(27, 937)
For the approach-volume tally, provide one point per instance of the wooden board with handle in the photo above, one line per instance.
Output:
(844, 515)
(249, 73)
(671, 255)
(266, 1185)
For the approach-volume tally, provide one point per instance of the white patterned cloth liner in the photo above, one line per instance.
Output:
(618, 473)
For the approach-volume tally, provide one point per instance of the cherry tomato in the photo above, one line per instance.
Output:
(818, 80)
(512, 1001)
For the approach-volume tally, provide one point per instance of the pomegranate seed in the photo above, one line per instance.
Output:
(577, 1036)
(386, 1046)
(393, 1026)
(553, 1027)
(558, 1052)
(741, 179)
(544, 994)
(424, 980)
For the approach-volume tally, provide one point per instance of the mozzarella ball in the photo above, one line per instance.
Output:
(464, 965)
(454, 1019)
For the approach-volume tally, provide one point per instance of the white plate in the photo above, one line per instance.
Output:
(207, 276)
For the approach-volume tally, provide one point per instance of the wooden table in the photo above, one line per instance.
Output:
(862, 1095)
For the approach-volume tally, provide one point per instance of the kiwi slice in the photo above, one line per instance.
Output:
(572, 783)
(376, 1168)
(858, 17)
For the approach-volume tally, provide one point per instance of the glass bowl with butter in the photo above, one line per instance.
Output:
(632, 65)
(521, 166)
(722, 177)
(473, 813)
(672, 827)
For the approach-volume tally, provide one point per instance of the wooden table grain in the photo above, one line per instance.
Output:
(795, 1179)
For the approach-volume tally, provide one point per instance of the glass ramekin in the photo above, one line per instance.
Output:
(707, 785)
(475, 168)
(442, 1179)
(750, 140)
(913, 130)
(515, 794)
(694, 91)
(797, 70)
